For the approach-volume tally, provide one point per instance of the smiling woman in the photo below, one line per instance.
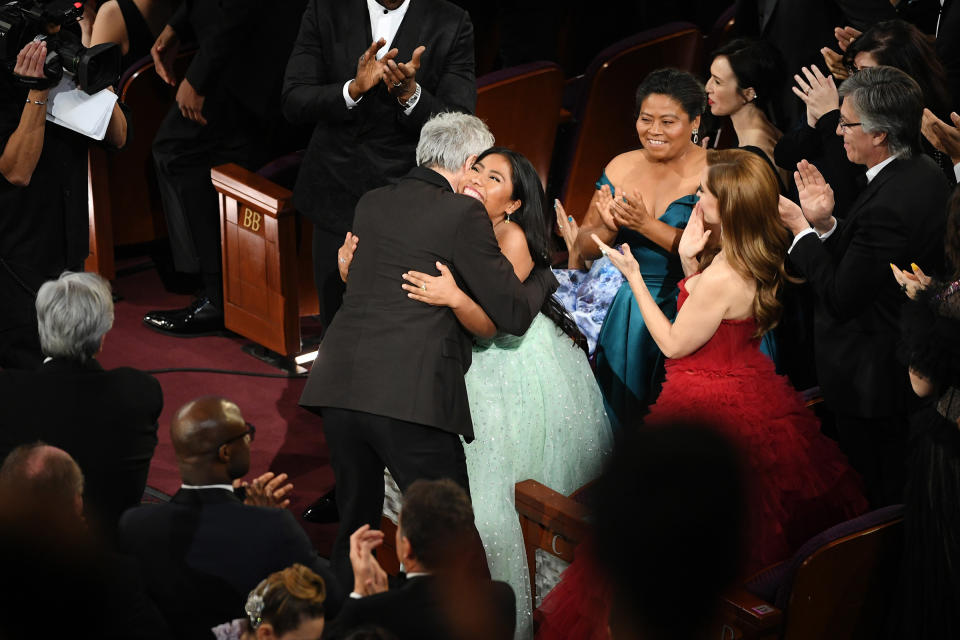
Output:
(644, 198)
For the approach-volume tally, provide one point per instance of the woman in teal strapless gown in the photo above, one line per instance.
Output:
(645, 198)
(536, 409)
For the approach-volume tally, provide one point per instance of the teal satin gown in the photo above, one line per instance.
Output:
(627, 355)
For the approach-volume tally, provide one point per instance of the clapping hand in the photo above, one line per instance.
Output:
(370, 70)
(622, 259)
(816, 196)
(603, 204)
(791, 215)
(567, 225)
(345, 254)
(439, 291)
(401, 79)
(694, 238)
(817, 91)
(632, 212)
(911, 282)
(368, 577)
(941, 135)
(267, 490)
(845, 36)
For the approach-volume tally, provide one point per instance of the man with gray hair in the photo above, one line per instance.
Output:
(388, 378)
(106, 420)
(898, 218)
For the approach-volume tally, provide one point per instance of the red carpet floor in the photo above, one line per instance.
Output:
(289, 439)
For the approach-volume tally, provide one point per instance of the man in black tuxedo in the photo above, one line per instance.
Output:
(228, 110)
(799, 29)
(366, 109)
(434, 598)
(106, 420)
(201, 553)
(389, 374)
(898, 218)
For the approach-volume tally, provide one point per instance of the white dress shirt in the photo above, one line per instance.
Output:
(384, 23)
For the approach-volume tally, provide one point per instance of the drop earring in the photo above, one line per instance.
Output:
(696, 136)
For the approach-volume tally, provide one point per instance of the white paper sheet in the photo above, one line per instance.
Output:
(78, 111)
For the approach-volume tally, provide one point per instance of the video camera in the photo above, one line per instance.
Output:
(24, 20)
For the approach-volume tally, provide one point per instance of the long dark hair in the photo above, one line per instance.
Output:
(899, 44)
(532, 218)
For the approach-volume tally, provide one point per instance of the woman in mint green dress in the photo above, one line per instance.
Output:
(537, 411)
(644, 198)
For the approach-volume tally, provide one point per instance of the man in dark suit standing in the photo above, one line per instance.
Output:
(898, 218)
(106, 420)
(389, 374)
(201, 553)
(368, 75)
(228, 110)
(434, 598)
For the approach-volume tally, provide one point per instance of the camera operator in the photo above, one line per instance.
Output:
(43, 202)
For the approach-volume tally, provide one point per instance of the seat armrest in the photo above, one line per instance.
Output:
(753, 617)
(554, 511)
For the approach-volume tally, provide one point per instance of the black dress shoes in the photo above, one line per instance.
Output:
(323, 510)
(201, 318)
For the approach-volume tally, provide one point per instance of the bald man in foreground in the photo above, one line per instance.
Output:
(202, 552)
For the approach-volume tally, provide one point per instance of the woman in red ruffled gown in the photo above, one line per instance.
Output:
(799, 480)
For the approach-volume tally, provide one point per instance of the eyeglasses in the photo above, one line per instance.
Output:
(843, 126)
(251, 431)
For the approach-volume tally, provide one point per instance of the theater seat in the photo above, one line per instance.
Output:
(603, 108)
(837, 585)
(267, 270)
(124, 200)
(521, 105)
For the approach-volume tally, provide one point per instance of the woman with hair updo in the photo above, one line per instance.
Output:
(744, 76)
(287, 605)
(716, 374)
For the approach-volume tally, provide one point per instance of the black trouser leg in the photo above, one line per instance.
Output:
(326, 275)
(416, 452)
(358, 470)
(184, 152)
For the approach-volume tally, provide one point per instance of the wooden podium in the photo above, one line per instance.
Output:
(267, 270)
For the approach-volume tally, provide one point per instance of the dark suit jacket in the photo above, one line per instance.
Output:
(389, 355)
(106, 420)
(243, 46)
(355, 150)
(898, 218)
(202, 553)
(414, 612)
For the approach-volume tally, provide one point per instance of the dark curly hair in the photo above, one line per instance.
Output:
(682, 86)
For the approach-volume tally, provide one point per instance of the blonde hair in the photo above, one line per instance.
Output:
(754, 240)
(286, 598)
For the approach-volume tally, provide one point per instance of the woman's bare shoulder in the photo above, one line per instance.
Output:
(624, 163)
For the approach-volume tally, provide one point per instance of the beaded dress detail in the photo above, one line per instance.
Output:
(537, 413)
